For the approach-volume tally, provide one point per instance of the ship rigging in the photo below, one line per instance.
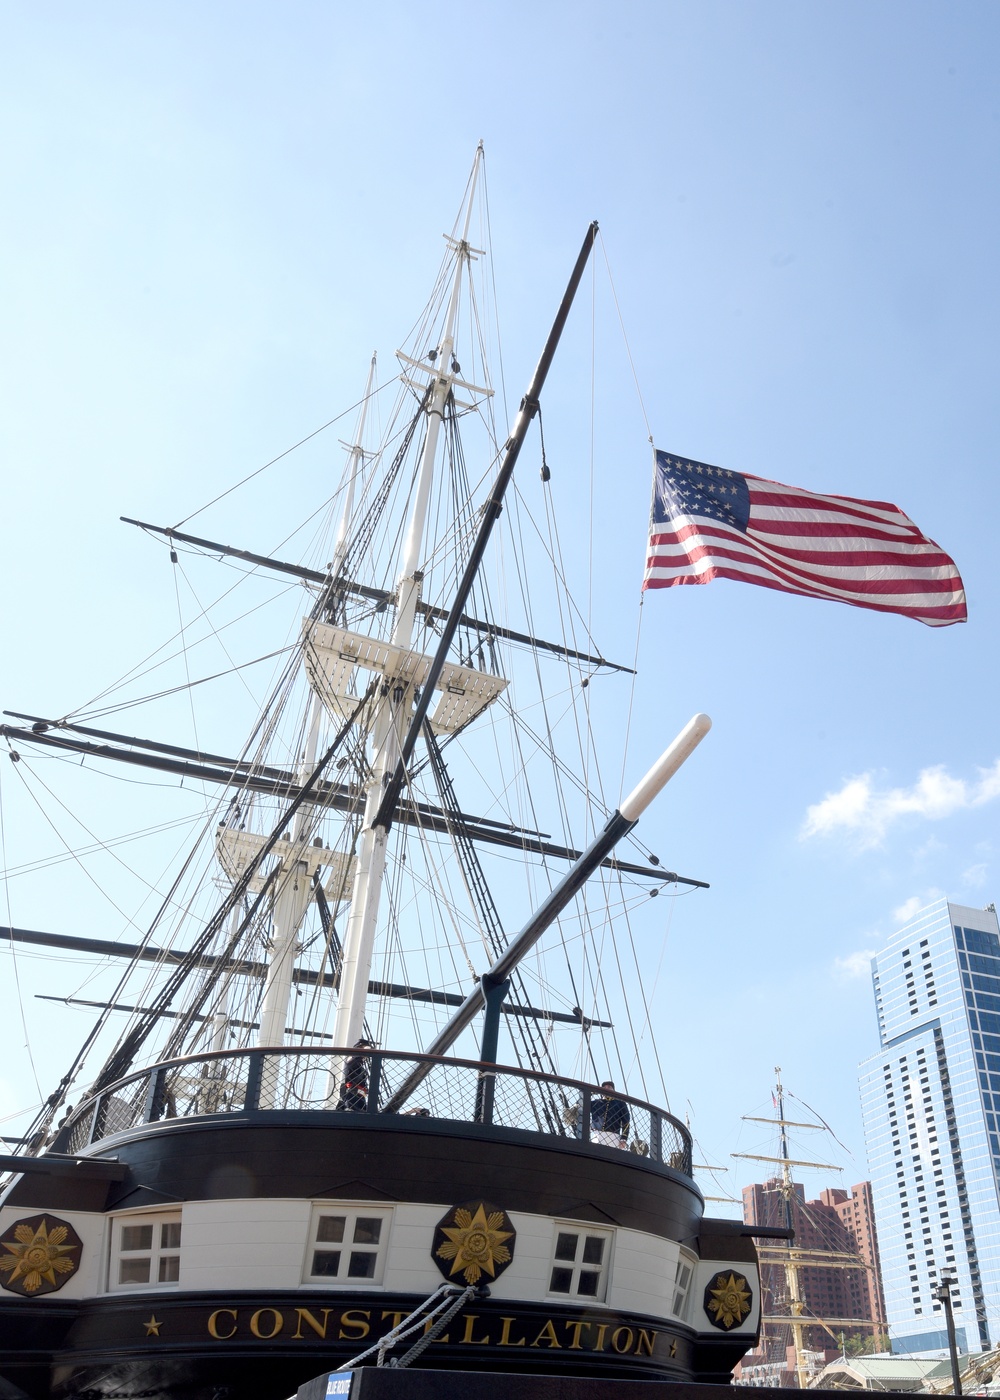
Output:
(369, 1026)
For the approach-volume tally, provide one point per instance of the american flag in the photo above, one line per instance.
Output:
(708, 522)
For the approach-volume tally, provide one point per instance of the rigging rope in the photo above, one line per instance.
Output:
(175, 570)
(532, 1038)
(281, 455)
(442, 1304)
(240, 888)
(628, 348)
(13, 952)
(373, 543)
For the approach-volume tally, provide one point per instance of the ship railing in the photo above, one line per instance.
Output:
(293, 1079)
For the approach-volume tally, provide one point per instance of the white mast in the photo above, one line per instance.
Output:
(294, 889)
(392, 714)
(355, 466)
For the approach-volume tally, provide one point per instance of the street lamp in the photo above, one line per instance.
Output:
(942, 1294)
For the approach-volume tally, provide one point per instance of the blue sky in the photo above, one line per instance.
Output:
(213, 213)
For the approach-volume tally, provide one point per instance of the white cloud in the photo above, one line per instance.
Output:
(975, 875)
(912, 906)
(855, 965)
(864, 811)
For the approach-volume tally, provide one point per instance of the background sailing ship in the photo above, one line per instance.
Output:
(821, 1287)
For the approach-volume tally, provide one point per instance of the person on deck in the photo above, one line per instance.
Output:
(354, 1090)
(609, 1118)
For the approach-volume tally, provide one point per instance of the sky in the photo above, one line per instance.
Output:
(212, 214)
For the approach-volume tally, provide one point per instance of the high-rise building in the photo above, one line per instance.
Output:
(837, 1224)
(931, 1100)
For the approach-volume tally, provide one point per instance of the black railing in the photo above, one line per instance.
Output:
(288, 1079)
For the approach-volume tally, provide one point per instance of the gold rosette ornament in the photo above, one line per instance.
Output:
(728, 1301)
(40, 1254)
(473, 1240)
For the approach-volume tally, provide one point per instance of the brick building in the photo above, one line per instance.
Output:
(857, 1213)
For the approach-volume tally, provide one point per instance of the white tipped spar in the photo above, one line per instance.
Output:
(664, 768)
(619, 824)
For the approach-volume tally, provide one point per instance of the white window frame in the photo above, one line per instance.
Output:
(683, 1284)
(579, 1265)
(352, 1211)
(158, 1251)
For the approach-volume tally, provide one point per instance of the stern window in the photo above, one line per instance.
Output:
(347, 1244)
(682, 1285)
(580, 1262)
(145, 1251)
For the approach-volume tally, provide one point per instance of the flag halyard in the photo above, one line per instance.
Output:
(709, 522)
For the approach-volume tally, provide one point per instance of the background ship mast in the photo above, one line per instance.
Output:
(792, 1258)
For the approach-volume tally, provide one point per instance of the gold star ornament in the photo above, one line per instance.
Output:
(473, 1240)
(728, 1301)
(152, 1326)
(40, 1254)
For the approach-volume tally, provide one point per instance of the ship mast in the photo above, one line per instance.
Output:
(791, 1265)
(294, 891)
(792, 1258)
(392, 713)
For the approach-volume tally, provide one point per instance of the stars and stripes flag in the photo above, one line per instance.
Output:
(708, 522)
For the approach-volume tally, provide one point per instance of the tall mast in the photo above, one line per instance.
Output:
(791, 1265)
(793, 1257)
(294, 889)
(393, 711)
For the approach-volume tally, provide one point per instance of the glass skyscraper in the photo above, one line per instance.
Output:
(931, 1105)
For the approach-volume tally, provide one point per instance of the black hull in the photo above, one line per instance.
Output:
(387, 1158)
(258, 1341)
(205, 1347)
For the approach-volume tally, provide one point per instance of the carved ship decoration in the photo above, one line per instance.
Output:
(255, 1187)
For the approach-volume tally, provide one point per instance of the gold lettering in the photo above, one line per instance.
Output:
(549, 1332)
(601, 1331)
(357, 1320)
(427, 1327)
(470, 1321)
(318, 1327)
(617, 1333)
(279, 1322)
(397, 1317)
(575, 1344)
(505, 1340)
(646, 1342)
(213, 1324)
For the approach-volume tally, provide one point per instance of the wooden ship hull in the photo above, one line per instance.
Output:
(248, 1186)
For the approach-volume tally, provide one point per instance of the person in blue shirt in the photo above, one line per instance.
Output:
(609, 1118)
